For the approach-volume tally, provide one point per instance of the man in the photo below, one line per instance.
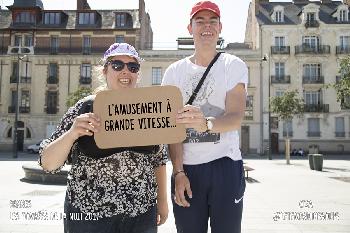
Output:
(208, 177)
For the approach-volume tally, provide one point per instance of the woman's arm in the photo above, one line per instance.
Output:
(56, 153)
(162, 203)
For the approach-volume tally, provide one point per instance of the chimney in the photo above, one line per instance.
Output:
(83, 5)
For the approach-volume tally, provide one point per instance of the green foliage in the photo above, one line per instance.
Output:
(287, 105)
(77, 95)
(343, 86)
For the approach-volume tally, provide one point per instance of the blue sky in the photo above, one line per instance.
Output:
(169, 18)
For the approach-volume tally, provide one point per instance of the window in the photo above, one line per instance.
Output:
(25, 99)
(25, 17)
(156, 75)
(311, 41)
(18, 40)
(249, 102)
(312, 72)
(28, 40)
(311, 17)
(28, 133)
(52, 18)
(339, 127)
(9, 133)
(13, 99)
(51, 102)
(119, 39)
(53, 70)
(279, 69)
(86, 71)
(54, 44)
(344, 42)
(279, 41)
(312, 97)
(87, 18)
(14, 71)
(248, 115)
(342, 16)
(279, 16)
(279, 93)
(121, 20)
(313, 127)
(86, 45)
(288, 128)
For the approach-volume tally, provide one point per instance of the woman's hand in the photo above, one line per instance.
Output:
(192, 117)
(162, 210)
(84, 125)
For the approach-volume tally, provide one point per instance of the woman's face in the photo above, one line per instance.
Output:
(123, 78)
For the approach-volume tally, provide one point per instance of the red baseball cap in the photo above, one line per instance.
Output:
(205, 5)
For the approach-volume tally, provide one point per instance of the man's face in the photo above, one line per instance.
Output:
(205, 27)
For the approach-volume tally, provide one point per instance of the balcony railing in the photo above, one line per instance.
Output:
(86, 50)
(11, 109)
(51, 110)
(13, 78)
(65, 50)
(25, 79)
(22, 109)
(312, 24)
(280, 49)
(343, 49)
(340, 134)
(84, 80)
(290, 134)
(313, 79)
(316, 108)
(313, 134)
(307, 49)
(52, 80)
(283, 79)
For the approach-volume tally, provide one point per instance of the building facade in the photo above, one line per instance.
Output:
(47, 54)
(301, 44)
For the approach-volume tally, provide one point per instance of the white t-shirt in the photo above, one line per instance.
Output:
(224, 75)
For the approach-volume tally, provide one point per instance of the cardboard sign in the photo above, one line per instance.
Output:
(138, 117)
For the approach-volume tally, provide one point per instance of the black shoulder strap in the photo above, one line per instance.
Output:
(200, 83)
(87, 105)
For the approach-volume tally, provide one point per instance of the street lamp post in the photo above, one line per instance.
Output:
(267, 58)
(15, 132)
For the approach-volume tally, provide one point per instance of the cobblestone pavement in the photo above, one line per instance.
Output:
(279, 198)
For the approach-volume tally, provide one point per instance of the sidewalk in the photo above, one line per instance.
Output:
(279, 198)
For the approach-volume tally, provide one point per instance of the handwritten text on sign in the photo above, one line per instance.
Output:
(138, 117)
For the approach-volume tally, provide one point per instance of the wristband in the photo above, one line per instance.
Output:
(178, 172)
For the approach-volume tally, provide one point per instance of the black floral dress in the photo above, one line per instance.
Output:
(121, 183)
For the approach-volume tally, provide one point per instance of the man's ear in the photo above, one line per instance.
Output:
(189, 28)
(220, 27)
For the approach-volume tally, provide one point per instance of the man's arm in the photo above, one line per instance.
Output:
(231, 120)
(182, 182)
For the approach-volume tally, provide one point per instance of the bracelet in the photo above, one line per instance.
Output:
(178, 172)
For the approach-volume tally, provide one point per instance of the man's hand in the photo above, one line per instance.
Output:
(192, 117)
(182, 184)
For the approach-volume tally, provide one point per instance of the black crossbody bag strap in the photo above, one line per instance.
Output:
(200, 83)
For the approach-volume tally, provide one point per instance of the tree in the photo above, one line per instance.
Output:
(342, 87)
(285, 107)
(77, 95)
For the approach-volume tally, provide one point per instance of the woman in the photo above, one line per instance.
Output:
(109, 190)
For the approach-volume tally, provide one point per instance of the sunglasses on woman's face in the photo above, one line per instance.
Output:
(118, 65)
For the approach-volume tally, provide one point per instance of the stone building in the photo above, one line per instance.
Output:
(302, 43)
